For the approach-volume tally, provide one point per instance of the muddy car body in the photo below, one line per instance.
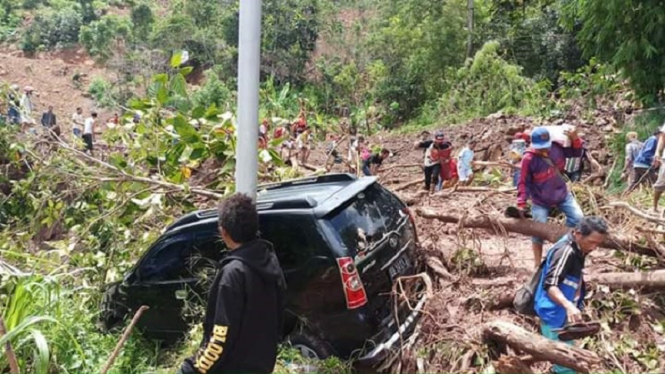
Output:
(341, 242)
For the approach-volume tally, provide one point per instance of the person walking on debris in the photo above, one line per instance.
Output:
(517, 148)
(89, 131)
(465, 163)
(632, 150)
(542, 180)
(49, 121)
(243, 319)
(435, 151)
(372, 163)
(560, 293)
(645, 168)
(78, 121)
(657, 162)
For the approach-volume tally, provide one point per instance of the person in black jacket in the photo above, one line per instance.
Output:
(243, 321)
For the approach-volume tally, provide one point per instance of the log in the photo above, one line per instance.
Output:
(650, 279)
(409, 184)
(547, 231)
(439, 269)
(541, 348)
(511, 365)
(400, 166)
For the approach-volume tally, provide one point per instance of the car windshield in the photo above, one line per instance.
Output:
(365, 220)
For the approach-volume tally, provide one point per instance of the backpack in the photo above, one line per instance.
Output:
(525, 298)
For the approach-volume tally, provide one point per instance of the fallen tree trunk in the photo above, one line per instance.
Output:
(549, 232)
(409, 184)
(540, 347)
(399, 166)
(650, 279)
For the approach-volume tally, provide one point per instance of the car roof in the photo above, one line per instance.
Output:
(317, 195)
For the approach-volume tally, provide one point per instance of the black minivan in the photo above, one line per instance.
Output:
(341, 242)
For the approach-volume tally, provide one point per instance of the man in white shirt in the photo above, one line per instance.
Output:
(88, 131)
(77, 122)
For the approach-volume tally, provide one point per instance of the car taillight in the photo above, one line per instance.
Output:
(354, 291)
(407, 211)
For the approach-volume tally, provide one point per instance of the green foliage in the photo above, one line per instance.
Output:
(142, 20)
(626, 35)
(99, 36)
(102, 92)
(213, 92)
(52, 28)
(485, 85)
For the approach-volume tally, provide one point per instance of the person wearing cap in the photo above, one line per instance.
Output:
(659, 186)
(436, 151)
(542, 180)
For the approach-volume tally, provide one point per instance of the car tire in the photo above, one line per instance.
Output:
(310, 346)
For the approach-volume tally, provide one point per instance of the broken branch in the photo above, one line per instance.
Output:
(635, 211)
(123, 339)
(11, 356)
(540, 347)
(409, 184)
(650, 279)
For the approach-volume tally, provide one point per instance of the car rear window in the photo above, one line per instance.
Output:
(366, 218)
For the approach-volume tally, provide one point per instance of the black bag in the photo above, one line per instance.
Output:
(524, 301)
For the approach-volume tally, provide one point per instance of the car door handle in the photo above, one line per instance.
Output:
(181, 294)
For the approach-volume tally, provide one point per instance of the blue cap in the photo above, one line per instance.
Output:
(540, 138)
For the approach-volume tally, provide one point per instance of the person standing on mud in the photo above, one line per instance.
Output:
(632, 150)
(49, 120)
(465, 163)
(78, 121)
(542, 180)
(645, 167)
(435, 151)
(244, 314)
(89, 132)
(560, 293)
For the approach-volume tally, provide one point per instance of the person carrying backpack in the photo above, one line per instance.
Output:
(559, 296)
(542, 180)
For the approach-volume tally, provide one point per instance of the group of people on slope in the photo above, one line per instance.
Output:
(440, 168)
(644, 163)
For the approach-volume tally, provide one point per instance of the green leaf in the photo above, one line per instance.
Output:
(198, 112)
(187, 132)
(118, 160)
(179, 85)
(162, 95)
(186, 70)
(42, 352)
(197, 153)
(161, 78)
(176, 59)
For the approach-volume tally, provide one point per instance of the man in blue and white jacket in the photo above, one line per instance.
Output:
(560, 293)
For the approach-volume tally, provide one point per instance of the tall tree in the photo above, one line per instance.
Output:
(628, 34)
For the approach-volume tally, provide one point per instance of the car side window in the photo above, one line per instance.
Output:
(295, 239)
(166, 260)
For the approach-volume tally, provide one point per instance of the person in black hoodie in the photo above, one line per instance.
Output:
(243, 321)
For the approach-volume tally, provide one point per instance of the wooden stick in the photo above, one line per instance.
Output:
(557, 352)
(400, 166)
(409, 184)
(11, 356)
(635, 211)
(650, 279)
(123, 339)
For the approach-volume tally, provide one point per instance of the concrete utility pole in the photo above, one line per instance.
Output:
(249, 59)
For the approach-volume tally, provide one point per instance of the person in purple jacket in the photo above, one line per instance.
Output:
(542, 180)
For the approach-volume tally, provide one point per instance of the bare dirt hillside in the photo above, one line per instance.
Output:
(59, 78)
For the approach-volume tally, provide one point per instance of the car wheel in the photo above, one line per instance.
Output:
(310, 346)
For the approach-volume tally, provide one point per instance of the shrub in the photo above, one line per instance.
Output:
(52, 29)
(214, 91)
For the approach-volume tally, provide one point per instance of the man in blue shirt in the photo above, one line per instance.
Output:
(560, 293)
(643, 163)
